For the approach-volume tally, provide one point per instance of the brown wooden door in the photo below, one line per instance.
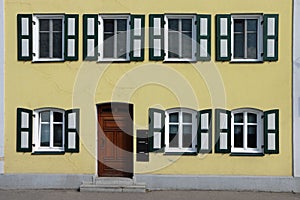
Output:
(115, 140)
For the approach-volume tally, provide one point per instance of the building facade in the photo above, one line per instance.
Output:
(179, 96)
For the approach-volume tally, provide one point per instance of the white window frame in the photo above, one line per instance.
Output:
(37, 134)
(36, 37)
(260, 131)
(101, 37)
(194, 43)
(259, 37)
(194, 130)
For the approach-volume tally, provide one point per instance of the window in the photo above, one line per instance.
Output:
(49, 130)
(114, 38)
(181, 130)
(47, 37)
(247, 131)
(247, 38)
(180, 43)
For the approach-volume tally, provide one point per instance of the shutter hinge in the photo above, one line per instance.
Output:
(33, 22)
(262, 116)
(262, 22)
(196, 22)
(262, 54)
(164, 22)
(99, 23)
(33, 54)
(130, 23)
(33, 115)
(98, 54)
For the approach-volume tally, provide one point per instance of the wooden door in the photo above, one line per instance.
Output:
(115, 140)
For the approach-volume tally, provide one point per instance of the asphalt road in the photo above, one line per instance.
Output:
(154, 195)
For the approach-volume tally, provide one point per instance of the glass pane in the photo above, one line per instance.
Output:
(44, 24)
(252, 136)
(238, 136)
(252, 25)
(187, 141)
(44, 45)
(187, 45)
(173, 24)
(187, 25)
(239, 25)
(173, 42)
(45, 116)
(239, 45)
(45, 135)
(108, 46)
(252, 118)
(121, 25)
(238, 118)
(187, 118)
(187, 129)
(173, 117)
(252, 45)
(58, 117)
(57, 25)
(58, 128)
(121, 44)
(57, 45)
(108, 25)
(173, 136)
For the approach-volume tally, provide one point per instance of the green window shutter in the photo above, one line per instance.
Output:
(24, 130)
(203, 37)
(137, 35)
(90, 37)
(71, 37)
(223, 50)
(271, 131)
(24, 27)
(156, 129)
(222, 131)
(204, 133)
(156, 34)
(271, 37)
(72, 118)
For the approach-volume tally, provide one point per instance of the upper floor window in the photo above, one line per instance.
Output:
(247, 131)
(181, 130)
(47, 37)
(180, 42)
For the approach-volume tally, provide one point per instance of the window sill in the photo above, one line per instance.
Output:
(48, 153)
(180, 153)
(48, 61)
(179, 61)
(245, 61)
(247, 154)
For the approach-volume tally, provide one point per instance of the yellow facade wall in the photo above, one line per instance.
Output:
(148, 84)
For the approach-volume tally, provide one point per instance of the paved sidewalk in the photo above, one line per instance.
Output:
(154, 195)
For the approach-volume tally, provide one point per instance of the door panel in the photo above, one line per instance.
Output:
(115, 140)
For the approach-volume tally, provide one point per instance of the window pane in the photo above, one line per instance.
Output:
(252, 136)
(173, 136)
(238, 118)
(187, 118)
(57, 25)
(239, 45)
(45, 135)
(108, 46)
(173, 117)
(252, 118)
(252, 25)
(57, 45)
(44, 45)
(121, 25)
(108, 25)
(44, 24)
(58, 117)
(252, 45)
(58, 128)
(45, 116)
(121, 44)
(173, 24)
(238, 136)
(239, 25)
(187, 25)
(187, 136)
(173, 42)
(187, 45)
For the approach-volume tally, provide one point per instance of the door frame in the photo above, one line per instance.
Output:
(131, 113)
